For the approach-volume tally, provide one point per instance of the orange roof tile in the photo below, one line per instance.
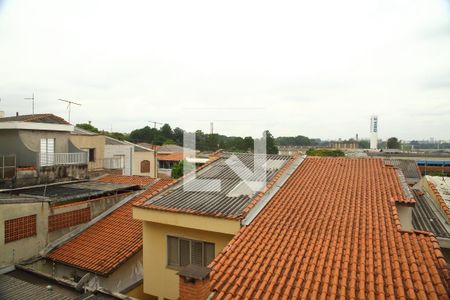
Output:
(332, 230)
(174, 156)
(440, 200)
(138, 180)
(108, 243)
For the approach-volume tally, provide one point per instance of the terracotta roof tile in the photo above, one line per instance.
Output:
(138, 180)
(331, 231)
(108, 243)
(36, 118)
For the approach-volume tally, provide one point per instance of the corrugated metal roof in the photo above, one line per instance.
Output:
(12, 288)
(427, 217)
(193, 196)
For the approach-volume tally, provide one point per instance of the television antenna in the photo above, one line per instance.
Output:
(32, 102)
(69, 105)
(154, 123)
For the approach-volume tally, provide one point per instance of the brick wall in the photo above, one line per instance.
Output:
(19, 228)
(194, 290)
(69, 219)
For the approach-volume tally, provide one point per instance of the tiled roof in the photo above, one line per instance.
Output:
(426, 217)
(12, 288)
(107, 244)
(440, 187)
(139, 180)
(233, 198)
(332, 230)
(36, 118)
(408, 167)
(175, 156)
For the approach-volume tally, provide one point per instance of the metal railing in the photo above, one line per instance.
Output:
(112, 163)
(7, 166)
(55, 159)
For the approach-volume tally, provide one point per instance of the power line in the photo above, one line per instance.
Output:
(69, 105)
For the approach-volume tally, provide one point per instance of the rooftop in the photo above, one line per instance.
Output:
(105, 245)
(332, 230)
(73, 191)
(124, 179)
(36, 118)
(408, 167)
(441, 188)
(231, 199)
(14, 288)
(427, 217)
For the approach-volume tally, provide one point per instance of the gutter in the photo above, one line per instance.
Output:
(270, 193)
(65, 238)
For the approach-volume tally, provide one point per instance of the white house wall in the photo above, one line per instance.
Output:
(126, 151)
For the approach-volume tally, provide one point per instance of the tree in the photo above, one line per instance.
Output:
(88, 127)
(324, 152)
(364, 144)
(270, 143)
(178, 168)
(393, 143)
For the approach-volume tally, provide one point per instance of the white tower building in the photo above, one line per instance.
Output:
(374, 132)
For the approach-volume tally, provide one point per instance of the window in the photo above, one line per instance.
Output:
(182, 252)
(47, 155)
(92, 154)
(145, 166)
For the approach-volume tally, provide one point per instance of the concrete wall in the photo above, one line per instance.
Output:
(405, 215)
(86, 142)
(16, 251)
(32, 139)
(159, 279)
(138, 157)
(11, 143)
(126, 151)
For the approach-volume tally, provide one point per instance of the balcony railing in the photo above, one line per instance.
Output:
(56, 159)
(112, 163)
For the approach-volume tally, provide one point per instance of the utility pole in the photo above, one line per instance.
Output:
(69, 105)
(154, 123)
(32, 102)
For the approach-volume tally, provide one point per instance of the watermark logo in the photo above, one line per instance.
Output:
(252, 171)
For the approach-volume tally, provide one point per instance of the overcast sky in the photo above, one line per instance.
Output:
(316, 68)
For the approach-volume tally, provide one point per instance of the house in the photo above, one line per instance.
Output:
(137, 160)
(190, 224)
(33, 217)
(334, 229)
(105, 253)
(169, 155)
(42, 151)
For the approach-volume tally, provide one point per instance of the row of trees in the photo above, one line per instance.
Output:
(204, 141)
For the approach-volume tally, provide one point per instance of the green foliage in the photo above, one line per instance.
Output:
(270, 143)
(298, 140)
(178, 169)
(364, 144)
(88, 127)
(324, 152)
(393, 143)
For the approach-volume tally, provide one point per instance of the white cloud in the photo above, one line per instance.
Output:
(318, 68)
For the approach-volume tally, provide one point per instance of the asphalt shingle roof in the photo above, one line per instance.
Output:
(332, 231)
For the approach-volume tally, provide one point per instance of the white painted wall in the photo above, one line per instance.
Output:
(126, 151)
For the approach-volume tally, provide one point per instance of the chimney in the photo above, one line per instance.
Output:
(194, 283)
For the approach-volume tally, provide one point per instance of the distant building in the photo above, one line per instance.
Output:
(374, 132)
(344, 145)
(39, 150)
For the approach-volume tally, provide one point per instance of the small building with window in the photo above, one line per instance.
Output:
(42, 149)
(193, 220)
